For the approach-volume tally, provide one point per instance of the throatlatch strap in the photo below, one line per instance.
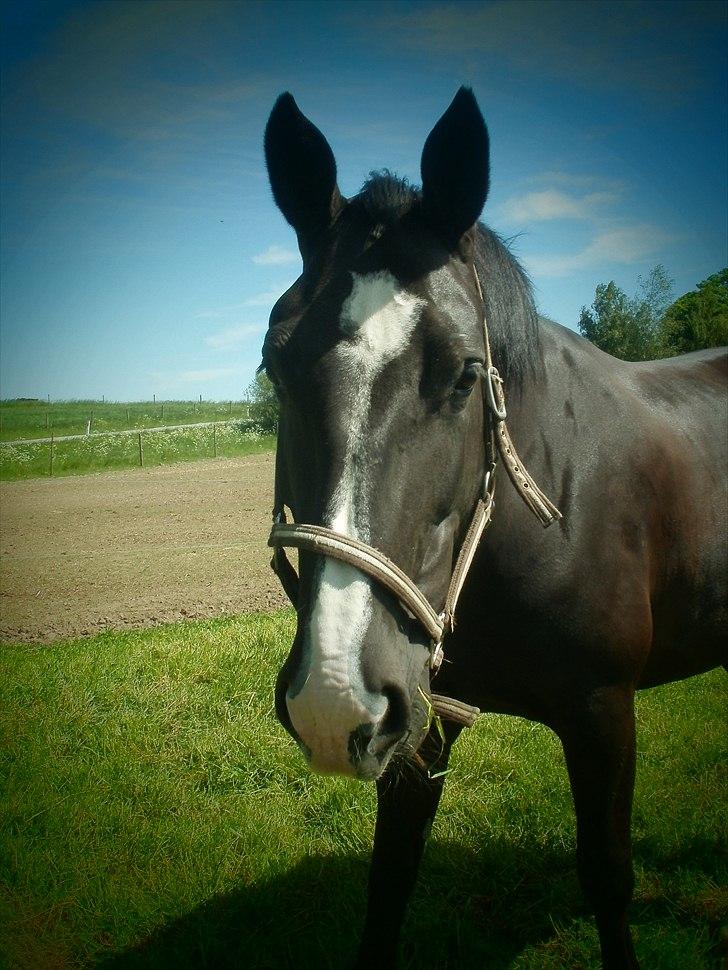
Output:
(479, 523)
(541, 506)
(537, 501)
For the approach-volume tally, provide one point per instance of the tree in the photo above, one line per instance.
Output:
(697, 319)
(607, 322)
(624, 327)
(264, 405)
(649, 304)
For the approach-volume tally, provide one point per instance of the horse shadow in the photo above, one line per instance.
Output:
(470, 909)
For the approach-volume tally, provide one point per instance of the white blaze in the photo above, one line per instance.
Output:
(377, 320)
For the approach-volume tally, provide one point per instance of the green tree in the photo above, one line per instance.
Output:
(628, 327)
(606, 323)
(697, 319)
(263, 400)
(654, 295)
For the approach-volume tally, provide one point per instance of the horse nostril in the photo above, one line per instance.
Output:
(359, 741)
(396, 719)
(377, 738)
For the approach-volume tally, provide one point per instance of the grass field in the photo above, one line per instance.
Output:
(37, 419)
(103, 452)
(156, 815)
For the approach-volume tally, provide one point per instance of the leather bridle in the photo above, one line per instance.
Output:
(326, 542)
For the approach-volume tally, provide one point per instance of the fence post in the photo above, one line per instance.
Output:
(128, 422)
(51, 468)
(141, 451)
(162, 410)
(214, 441)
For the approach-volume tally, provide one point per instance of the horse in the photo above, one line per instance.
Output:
(390, 356)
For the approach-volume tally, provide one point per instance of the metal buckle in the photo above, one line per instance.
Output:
(489, 483)
(493, 375)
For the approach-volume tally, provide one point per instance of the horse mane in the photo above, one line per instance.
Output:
(509, 305)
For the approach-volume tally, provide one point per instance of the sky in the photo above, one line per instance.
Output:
(141, 251)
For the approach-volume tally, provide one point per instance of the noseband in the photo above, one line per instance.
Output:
(326, 542)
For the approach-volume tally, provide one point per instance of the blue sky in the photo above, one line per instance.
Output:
(141, 250)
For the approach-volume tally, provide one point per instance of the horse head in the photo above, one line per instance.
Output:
(377, 354)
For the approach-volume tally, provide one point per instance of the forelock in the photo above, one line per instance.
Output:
(385, 198)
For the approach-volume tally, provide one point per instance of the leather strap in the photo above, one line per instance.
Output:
(541, 506)
(336, 545)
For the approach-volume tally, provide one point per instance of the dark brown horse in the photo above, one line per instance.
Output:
(378, 354)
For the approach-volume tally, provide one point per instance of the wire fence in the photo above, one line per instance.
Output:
(23, 419)
(101, 451)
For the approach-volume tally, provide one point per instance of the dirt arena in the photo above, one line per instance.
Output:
(134, 548)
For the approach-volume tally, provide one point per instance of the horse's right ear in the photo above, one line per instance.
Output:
(302, 171)
(455, 168)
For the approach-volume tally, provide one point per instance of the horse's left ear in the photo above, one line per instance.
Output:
(455, 169)
(302, 171)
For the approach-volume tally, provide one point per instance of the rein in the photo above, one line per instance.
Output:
(326, 542)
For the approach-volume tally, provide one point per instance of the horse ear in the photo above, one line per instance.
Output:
(301, 169)
(455, 168)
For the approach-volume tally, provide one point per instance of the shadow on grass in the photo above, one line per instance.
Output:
(470, 909)
(312, 915)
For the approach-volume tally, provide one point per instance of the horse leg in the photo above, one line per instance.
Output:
(599, 744)
(407, 800)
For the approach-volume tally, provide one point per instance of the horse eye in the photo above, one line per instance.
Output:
(466, 382)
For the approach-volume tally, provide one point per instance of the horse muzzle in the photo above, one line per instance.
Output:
(346, 730)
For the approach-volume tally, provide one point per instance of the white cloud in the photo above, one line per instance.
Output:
(234, 336)
(554, 204)
(217, 312)
(206, 374)
(276, 256)
(597, 45)
(577, 180)
(622, 245)
(267, 298)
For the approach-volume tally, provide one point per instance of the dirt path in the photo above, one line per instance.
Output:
(134, 548)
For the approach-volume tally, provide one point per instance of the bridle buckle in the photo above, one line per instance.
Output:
(496, 398)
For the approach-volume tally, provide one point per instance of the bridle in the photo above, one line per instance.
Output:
(327, 542)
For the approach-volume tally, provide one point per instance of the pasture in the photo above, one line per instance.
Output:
(156, 815)
(24, 418)
(106, 452)
(120, 435)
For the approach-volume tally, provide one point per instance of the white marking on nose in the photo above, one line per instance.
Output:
(377, 320)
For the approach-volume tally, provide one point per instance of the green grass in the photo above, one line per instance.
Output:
(37, 419)
(156, 815)
(105, 452)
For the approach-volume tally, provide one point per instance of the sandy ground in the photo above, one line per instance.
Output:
(134, 548)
